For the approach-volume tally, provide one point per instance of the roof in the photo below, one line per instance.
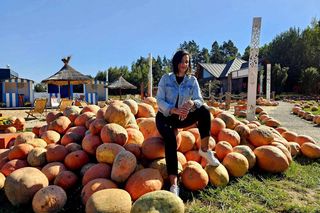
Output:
(121, 83)
(233, 65)
(18, 80)
(222, 70)
(214, 69)
(67, 74)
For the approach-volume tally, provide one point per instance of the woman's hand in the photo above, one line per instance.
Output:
(188, 105)
(181, 112)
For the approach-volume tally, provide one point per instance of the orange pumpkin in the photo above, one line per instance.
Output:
(142, 182)
(114, 133)
(100, 170)
(75, 160)
(153, 148)
(66, 180)
(310, 150)
(194, 177)
(222, 149)
(56, 152)
(271, 159)
(236, 164)
(94, 186)
(229, 135)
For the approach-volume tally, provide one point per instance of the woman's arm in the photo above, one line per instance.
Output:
(164, 106)
(196, 94)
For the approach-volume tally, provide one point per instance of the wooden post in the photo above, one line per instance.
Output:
(228, 100)
(150, 76)
(268, 81)
(253, 68)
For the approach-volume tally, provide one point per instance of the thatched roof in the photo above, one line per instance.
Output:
(121, 83)
(67, 75)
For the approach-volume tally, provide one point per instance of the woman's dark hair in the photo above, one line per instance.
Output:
(177, 58)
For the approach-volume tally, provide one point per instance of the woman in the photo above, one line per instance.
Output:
(180, 105)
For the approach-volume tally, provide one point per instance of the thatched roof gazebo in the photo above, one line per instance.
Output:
(121, 83)
(67, 75)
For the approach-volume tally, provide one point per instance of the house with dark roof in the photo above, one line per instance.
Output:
(237, 68)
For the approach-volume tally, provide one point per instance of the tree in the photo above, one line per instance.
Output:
(210, 88)
(40, 88)
(204, 56)
(246, 54)
(101, 76)
(279, 77)
(310, 81)
(229, 51)
(215, 53)
(193, 49)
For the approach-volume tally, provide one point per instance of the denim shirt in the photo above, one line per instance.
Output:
(169, 89)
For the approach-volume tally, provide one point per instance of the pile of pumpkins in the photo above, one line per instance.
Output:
(12, 124)
(299, 110)
(117, 154)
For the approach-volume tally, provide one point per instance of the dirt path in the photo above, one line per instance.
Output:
(293, 122)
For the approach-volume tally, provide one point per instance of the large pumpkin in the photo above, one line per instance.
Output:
(100, 170)
(310, 150)
(194, 177)
(261, 136)
(109, 200)
(158, 201)
(49, 199)
(153, 148)
(94, 186)
(21, 185)
(123, 166)
(119, 113)
(218, 175)
(271, 159)
(107, 152)
(236, 164)
(114, 133)
(143, 181)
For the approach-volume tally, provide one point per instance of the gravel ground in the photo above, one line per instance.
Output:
(294, 123)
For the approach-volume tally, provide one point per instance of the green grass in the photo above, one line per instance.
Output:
(296, 190)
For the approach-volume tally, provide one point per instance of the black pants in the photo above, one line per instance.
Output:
(167, 125)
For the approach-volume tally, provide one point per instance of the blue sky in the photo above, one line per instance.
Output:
(99, 34)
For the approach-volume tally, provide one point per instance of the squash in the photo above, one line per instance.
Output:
(100, 170)
(153, 148)
(310, 150)
(123, 166)
(107, 152)
(52, 170)
(109, 200)
(158, 201)
(194, 177)
(114, 133)
(66, 180)
(21, 185)
(229, 135)
(218, 175)
(94, 186)
(236, 164)
(49, 199)
(143, 181)
(271, 159)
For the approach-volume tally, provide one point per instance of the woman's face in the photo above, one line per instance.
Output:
(184, 64)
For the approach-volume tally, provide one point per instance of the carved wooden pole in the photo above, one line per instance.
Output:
(268, 81)
(253, 68)
(150, 76)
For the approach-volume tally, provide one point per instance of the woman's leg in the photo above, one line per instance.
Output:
(167, 131)
(202, 116)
